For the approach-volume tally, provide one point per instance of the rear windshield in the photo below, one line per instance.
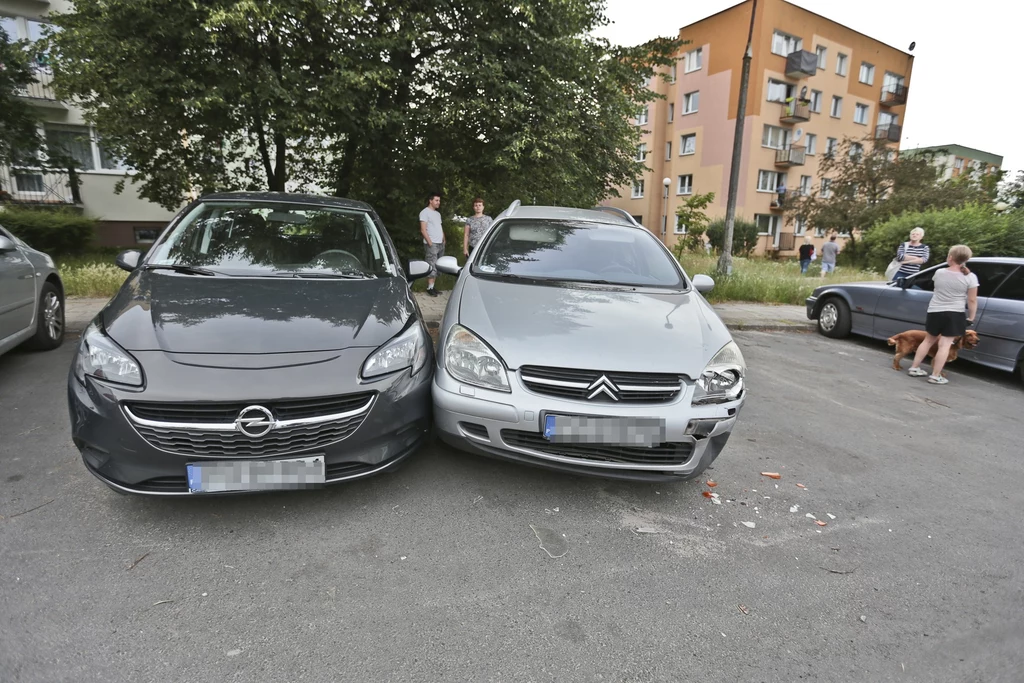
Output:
(567, 251)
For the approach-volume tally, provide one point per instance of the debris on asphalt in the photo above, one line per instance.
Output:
(205, 594)
(161, 602)
(712, 484)
(863, 619)
(830, 515)
(743, 608)
(551, 542)
(25, 512)
(837, 571)
(820, 522)
(647, 530)
(800, 486)
(477, 499)
(771, 475)
(810, 516)
(749, 525)
(137, 561)
(234, 653)
(403, 557)
(795, 508)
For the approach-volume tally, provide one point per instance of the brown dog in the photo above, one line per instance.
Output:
(906, 344)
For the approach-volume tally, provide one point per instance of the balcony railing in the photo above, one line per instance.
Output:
(893, 95)
(801, 64)
(787, 242)
(890, 132)
(790, 156)
(795, 112)
(32, 186)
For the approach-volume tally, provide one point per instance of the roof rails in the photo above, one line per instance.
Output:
(622, 212)
(510, 210)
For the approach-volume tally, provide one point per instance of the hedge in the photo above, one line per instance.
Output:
(58, 232)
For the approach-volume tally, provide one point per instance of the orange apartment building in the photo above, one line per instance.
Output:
(812, 82)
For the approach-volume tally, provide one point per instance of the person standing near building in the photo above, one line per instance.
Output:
(829, 251)
(806, 254)
(476, 227)
(433, 237)
(912, 255)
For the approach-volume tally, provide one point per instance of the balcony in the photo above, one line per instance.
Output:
(893, 95)
(40, 92)
(795, 112)
(787, 242)
(890, 132)
(37, 187)
(801, 64)
(790, 156)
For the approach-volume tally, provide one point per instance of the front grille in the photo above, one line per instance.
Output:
(586, 385)
(666, 454)
(162, 485)
(217, 412)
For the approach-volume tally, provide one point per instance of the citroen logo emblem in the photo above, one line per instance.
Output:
(605, 386)
(255, 421)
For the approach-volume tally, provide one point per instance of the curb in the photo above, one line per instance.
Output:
(770, 327)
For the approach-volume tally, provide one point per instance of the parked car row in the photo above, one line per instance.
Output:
(31, 297)
(271, 341)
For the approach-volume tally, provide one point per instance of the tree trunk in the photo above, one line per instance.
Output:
(280, 168)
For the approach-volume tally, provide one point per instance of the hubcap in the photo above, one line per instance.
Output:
(53, 316)
(829, 315)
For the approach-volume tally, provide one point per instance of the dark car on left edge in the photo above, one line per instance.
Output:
(265, 341)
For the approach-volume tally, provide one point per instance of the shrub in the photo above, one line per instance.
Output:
(58, 232)
(744, 236)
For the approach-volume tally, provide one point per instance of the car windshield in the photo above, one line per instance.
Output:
(279, 239)
(568, 251)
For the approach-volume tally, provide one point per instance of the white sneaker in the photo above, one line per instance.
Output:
(916, 372)
(937, 380)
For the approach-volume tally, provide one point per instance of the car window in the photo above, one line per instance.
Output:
(990, 275)
(570, 251)
(1013, 288)
(923, 280)
(253, 238)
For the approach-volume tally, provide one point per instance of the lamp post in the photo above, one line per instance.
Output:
(664, 210)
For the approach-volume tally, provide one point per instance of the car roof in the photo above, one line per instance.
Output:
(1016, 260)
(607, 215)
(289, 197)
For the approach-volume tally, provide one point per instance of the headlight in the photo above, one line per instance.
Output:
(722, 379)
(98, 356)
(469, 360)
(407, 350)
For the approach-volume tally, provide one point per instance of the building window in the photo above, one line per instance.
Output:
(671, 111)
(799, 226)
(638, 189)
(680, 229)
(641, 151)
(778, 91)
(639, 220)
(108, 161)
(767, 224)
(668, 151)
(816, 101)
(826, 188)
(841, 64)
(687, 144)
(146, 235)
(837, 106)
(819, 232)
(856, 149)
(641, 118)
(685, 185)
(783, 43)
(768, 181)
(887, 119)
(958, 164)
(694, 60)
(675, 68)
(775, 137)
(811, 144)
(805, 185)
(71, 142)
(822, 52)
(867, 73)
(830, 146)
(891, 82)
(860, 114)
(690, 102)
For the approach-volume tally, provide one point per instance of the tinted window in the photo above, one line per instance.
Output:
(1013, 287)
(246, 238)
(990, 275)
(576, 252)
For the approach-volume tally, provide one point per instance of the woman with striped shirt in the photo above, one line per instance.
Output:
(912, 255)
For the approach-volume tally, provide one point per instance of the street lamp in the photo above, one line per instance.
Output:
(664, 209)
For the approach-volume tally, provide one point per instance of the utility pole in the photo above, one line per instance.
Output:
(725, 261)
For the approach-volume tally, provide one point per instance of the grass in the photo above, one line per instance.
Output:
(92, 275)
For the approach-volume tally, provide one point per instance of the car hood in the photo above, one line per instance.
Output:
(166, 311)
(596, 329)
(869, 284)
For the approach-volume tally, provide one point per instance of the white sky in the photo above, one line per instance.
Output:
(966, 84)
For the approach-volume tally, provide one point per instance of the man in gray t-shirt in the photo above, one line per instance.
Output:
(433, 237)
(829, 251)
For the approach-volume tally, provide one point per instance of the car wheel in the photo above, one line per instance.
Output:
(834, 318)
(50, 321)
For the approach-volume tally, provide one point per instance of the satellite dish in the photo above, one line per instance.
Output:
(797, 134)
(912, 44)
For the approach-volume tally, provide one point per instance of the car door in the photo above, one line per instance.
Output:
(900, 309)
(17, 290)
(1001, 326)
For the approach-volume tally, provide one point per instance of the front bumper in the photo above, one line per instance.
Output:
(126, 458)
(811, 302)
(506, 425)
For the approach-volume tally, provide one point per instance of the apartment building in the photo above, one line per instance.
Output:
(124, 219)
(812, 82)
(954, 161)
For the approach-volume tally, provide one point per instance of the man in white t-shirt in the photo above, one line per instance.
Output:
(433, 237)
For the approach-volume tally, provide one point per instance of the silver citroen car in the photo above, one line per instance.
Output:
(574, 340)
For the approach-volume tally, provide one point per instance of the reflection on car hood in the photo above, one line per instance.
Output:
(594, 329)
(160, 310)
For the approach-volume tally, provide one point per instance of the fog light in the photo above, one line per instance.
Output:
(701, 428)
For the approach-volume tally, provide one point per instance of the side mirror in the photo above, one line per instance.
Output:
(128, 260)
(418, 269)
(448, 264)
(6, 244)
(703, 283)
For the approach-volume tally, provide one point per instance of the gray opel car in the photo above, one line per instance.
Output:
(31, 297)
(266, 341)
(574, 340)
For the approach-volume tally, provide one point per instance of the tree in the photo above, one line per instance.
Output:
(19, 137)
(691, 215)
(382, 100)
(1012, 192)
(865, 182)
(745, 235)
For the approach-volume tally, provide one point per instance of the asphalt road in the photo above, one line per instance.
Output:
(435, 574)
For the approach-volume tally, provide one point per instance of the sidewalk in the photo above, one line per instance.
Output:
(736, 316)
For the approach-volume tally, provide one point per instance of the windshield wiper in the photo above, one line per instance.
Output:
(318, 275)
(179, 268)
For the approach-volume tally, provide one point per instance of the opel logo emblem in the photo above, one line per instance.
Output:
(605, 386)
(255, 421)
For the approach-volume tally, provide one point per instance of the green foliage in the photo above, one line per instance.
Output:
(18, 133)
(1012, 191)
(986, 231)
(56, 232)
(692, 215)
(744, 236)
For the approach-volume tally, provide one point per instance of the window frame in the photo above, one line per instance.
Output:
(870, 68)
(688, 59)
(637, 190)
(806, 189)
(683, 139)
(774, 175)
(689, 97)
(772, 220)
(811, 143)
(835, 110)
(857, 109)
(641, 152)
(679, 185)
(842, 64)
(766, 137)
(816, 98)
(822, 53)
(798, 43)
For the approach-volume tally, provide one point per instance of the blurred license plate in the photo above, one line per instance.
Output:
(619, 431)
(255, 475)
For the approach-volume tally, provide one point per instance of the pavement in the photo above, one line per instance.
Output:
(437, 572)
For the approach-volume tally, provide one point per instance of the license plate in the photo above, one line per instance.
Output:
(255, 475)
(618, 431)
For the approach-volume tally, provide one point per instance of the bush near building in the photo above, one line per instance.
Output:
(58, 232)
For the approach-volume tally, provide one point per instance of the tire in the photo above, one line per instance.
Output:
(49, 321)
(834, 318)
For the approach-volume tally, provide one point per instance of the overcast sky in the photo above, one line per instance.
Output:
(966, 86)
